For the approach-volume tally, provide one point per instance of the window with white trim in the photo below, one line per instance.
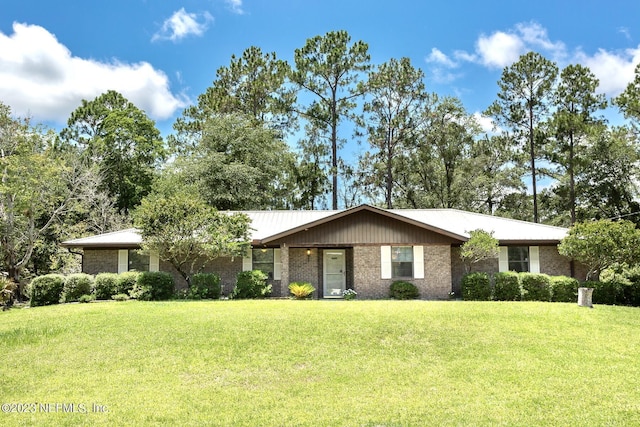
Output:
(263, 260)
(401, 262)
(138, 260)
(518, 258)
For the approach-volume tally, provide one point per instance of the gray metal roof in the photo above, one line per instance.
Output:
(504, 229)
(124, 239)
(266, 225)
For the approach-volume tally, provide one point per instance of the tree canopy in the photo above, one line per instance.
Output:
(602, 244)
(188, 233)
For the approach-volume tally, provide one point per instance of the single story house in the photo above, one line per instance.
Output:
(364, 248)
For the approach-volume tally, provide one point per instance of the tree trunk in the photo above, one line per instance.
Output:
(532, 154)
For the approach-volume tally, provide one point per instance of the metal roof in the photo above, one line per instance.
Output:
(125, 238)
(268, 225)
(504, 229)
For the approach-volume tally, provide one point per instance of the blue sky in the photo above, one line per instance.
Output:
(161, 54)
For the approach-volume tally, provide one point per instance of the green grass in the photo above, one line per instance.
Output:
(322, 363)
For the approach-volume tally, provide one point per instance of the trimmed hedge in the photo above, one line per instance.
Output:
(251, 285)
(403, 290)
(476, 286)
(105, 285)
(153, 286)
(75, 286)
(204, 286)
(507, 286)
(609, 293)
(46, 290)
(535, 287)
(564, 289)
(126, 282)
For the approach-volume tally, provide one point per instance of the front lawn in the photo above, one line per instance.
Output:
(320, 363)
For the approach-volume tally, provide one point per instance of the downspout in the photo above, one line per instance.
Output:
(81, 258)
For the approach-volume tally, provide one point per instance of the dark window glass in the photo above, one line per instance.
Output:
(401, 261)
(138, 260)
(519, 258)
(263, 261)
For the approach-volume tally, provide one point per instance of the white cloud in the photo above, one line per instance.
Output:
(440, 58)
(535, 37)
(615, 70)
(182, 24)
(39, 77)
(499, 49)
(486, 123)
(235, 6)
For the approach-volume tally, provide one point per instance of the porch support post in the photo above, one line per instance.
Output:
(284, 273)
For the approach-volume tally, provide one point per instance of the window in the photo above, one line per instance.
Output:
(263, 260)
(518, 258)
(138, 260)
(401, 261)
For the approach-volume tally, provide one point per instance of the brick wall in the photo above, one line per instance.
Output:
(458, 269)
(97, 261)
(303, 268)
(435, 285)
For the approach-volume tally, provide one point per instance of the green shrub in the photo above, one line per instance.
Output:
(153, 286)
(126, 282)
(507, 286)
(76, 285)
(46, 290)
(609, 292)
(251, 284)
(7, 289)
(630, 287)
(631, 293)
(403, 290)
(120, 297)
(105, 285)
(204, 286)
(476, 286)
(535, 287)
(86, 298)
(564, 289)
(301, 290)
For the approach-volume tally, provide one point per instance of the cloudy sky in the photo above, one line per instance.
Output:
(161, 54)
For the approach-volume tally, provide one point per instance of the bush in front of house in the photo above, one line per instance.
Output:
(631, 293)
(564, 289)
(606, 292)
(75, 286)
(507, 286)
(476, 286)
(46, 290)
(301, 290)
(251, 285)
(105, 285)
(403, 290)
(204, 286)
(535, 287)
(126, 282)
(153, 286)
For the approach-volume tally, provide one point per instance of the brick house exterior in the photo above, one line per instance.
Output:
(363, 248)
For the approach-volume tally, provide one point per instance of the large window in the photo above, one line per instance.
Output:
(401, 261)
(263, 260)
(138, 260)
(518, 258)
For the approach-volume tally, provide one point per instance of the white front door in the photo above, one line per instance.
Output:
(334, 274)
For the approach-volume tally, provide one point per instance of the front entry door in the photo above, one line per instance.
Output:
(334, 273)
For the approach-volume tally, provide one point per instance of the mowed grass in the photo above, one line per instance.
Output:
(321, 363)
